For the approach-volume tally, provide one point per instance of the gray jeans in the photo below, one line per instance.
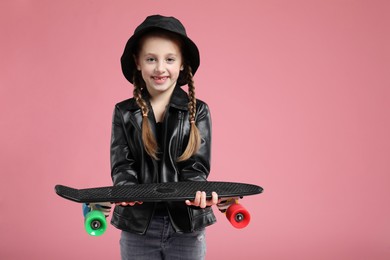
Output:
(162, 242)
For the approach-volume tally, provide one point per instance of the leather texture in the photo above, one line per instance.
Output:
(130, 164)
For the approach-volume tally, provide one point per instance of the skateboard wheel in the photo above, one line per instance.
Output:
(238, 216)
(95, 223)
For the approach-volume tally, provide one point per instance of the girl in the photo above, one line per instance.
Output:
(162, 134)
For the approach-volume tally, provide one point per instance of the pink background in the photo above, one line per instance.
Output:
(308, 80)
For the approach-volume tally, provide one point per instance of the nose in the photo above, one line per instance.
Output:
(160, 67)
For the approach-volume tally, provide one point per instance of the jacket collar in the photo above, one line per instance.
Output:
(179, 99)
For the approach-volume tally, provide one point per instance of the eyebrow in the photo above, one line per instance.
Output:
(168, 54)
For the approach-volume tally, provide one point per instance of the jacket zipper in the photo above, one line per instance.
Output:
(179, 136)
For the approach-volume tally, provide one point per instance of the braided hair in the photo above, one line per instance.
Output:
(194, 138)
(150, 143)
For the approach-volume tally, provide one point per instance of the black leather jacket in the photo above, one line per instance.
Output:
(130, 164)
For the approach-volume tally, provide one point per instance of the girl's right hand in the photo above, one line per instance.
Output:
(129, 203)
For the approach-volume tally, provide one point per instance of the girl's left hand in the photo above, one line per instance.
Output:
(201, 201)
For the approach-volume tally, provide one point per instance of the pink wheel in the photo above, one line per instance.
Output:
(238, 216)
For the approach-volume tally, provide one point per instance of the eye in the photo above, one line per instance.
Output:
(150, 60)
(170, 60)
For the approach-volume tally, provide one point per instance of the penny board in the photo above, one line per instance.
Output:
(157, 192)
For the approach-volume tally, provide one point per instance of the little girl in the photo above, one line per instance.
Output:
(162, 134)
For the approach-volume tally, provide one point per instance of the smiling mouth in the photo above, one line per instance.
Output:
(160, 78)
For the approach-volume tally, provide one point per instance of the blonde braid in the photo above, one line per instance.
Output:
(150, 143)
(194, 138)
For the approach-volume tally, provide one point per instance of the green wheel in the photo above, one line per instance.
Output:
(95, 223)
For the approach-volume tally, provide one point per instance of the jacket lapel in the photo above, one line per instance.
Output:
(179, 99)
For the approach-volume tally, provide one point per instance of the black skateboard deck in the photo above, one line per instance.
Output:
(157, 192)
(96, 224)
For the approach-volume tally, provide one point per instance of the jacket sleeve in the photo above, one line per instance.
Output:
(197, 167)
(122, 159)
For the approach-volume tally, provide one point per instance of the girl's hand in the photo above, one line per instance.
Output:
(201, 201)
(130, 203)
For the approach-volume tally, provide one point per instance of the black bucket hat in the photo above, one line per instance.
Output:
(158, 22)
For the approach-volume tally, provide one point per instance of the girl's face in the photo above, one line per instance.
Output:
(160, 63)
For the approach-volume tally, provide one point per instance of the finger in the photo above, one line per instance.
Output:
(214, 198)
(197, 198)
(196, 201)
(203, 202)
(124, 204)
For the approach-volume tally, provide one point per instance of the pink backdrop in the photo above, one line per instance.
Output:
(309, 81)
